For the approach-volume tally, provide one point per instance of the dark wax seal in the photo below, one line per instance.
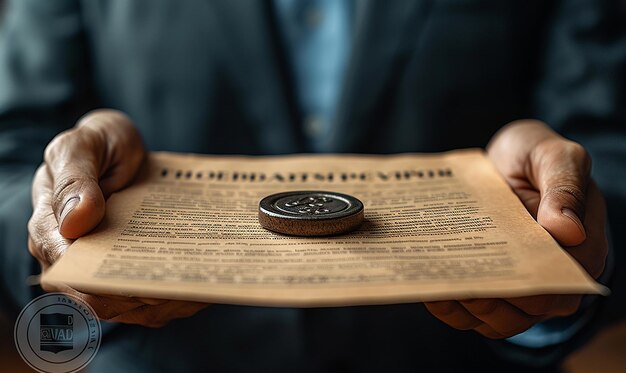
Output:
(310, 213)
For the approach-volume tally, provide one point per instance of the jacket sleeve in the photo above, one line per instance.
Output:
(582, 87)
(581, 93)
(43, 90)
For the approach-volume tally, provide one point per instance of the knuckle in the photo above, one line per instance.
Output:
(59, 142)
(580, 155)
(68, 183)
(578, 152)
(32, 226)
(103, 121)
(570, 194)
(102, 309)
(45, 247)
(102, 116)
(568, 166)
(83, 140)
(569, 190)
(39, 241)
(64, 182)
(34, 229)
(34, 249)
(92, 118)
(566, 149)
(441, 308)
(52, 251)
(481, 307)
(40, 173)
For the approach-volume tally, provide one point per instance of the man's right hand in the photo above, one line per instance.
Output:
(82, 167)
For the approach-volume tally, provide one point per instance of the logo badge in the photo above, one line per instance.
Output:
(57, 333)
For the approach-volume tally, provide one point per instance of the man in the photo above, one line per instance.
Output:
(265, 78)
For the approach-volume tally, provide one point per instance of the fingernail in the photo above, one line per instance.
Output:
(67, 208)
(573, 217)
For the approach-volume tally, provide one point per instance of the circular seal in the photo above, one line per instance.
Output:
(310, 213)
(57, 333)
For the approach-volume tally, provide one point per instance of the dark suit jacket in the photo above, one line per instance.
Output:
(211, 77)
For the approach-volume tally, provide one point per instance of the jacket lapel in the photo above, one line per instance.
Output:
(253, 62)
(385, 32)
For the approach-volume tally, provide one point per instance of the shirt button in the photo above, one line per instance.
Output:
(314, 126)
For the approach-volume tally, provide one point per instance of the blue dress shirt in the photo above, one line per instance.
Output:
(317, 35)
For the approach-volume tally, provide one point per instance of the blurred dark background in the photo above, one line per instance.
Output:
(604, 353)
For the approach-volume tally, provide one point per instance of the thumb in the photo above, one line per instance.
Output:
(561, 171)
(73, 161)
(101, 154)
(81, 206)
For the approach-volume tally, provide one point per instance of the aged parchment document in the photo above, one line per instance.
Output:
(437, 226)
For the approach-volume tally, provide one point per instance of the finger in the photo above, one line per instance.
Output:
(592, 253)
(530, 198)
(509, 151)
(530, 155)
(78, 158)
(161, 314)
(109, 307)
(152, 301)
(561, 172)
(74, 159)
(489, 332)
(106, 307)
(547, 305)
(45, 242)
(501, 316)
(41, 190)
(453, 314)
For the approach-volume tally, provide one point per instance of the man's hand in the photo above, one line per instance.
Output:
(551, 176)
(82, 167)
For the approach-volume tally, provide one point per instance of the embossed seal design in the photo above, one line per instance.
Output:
(57, 333)
(311, 204)
(310, 213)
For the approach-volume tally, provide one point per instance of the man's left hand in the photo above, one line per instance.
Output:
(551, 176)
